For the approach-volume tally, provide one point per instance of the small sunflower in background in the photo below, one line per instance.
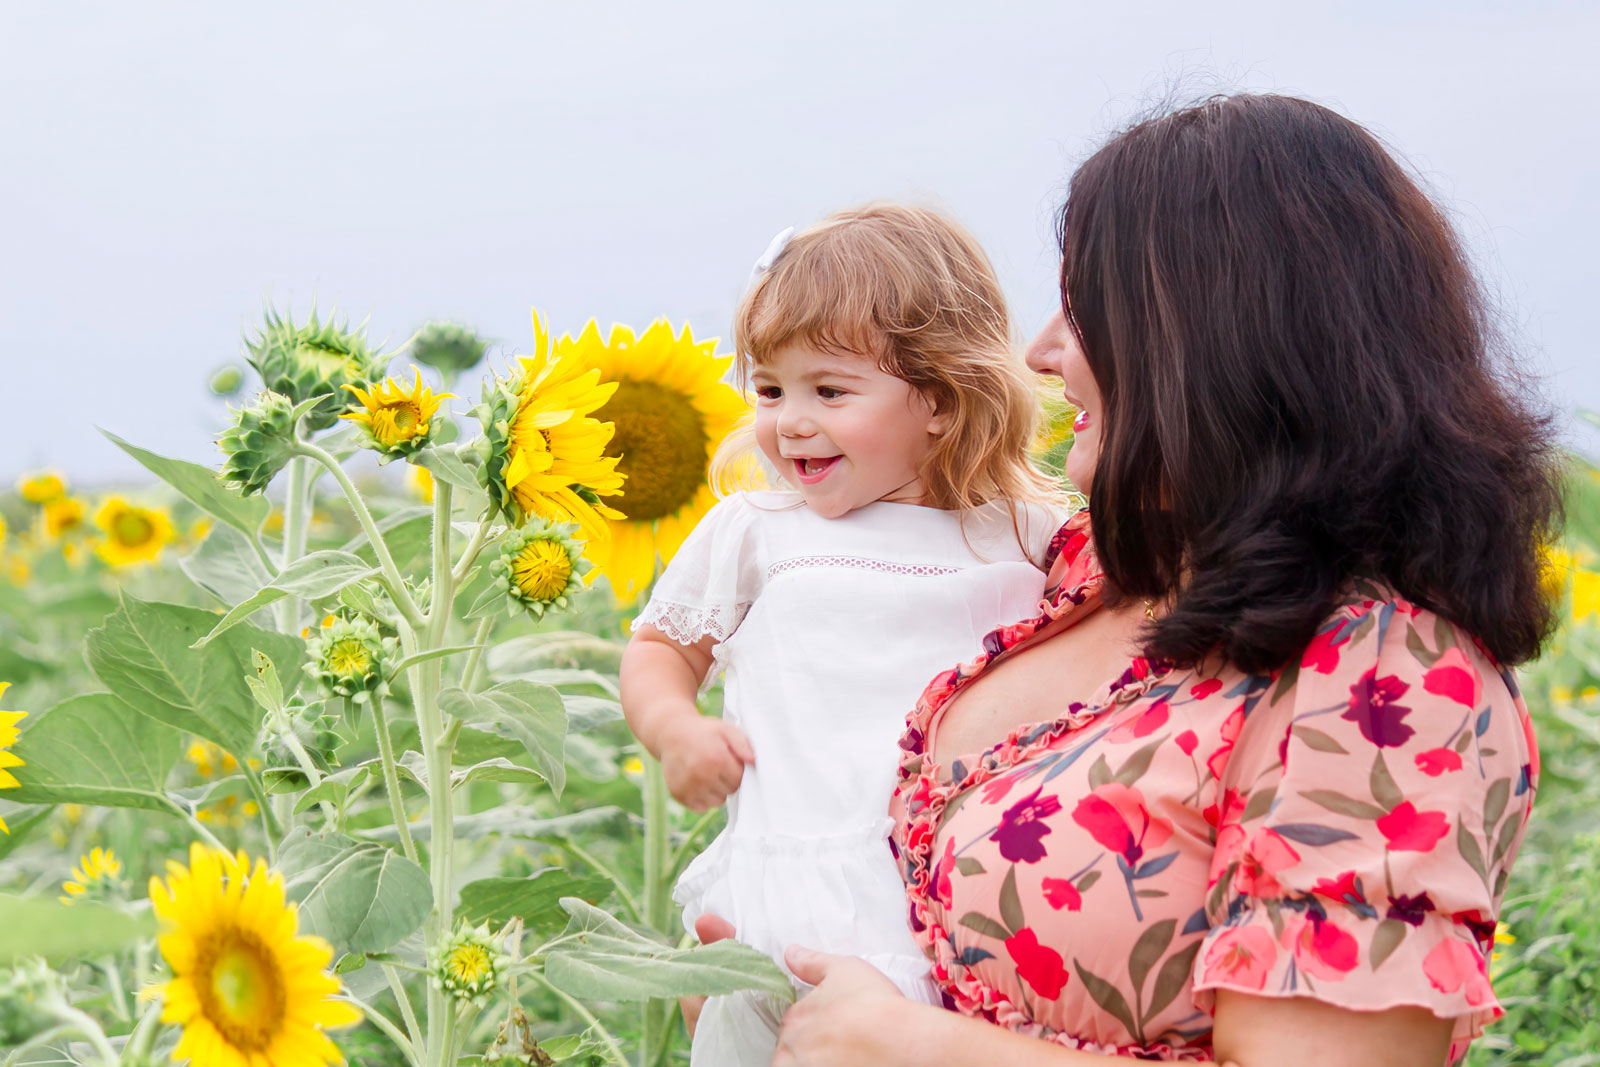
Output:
(8, 737)
(64, 517)
(393, 420)
(131, 534)
(41, 487)
(247, 988)
(98, 876)
(671, 410)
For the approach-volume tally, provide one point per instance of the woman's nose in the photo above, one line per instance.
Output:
(1044, 352)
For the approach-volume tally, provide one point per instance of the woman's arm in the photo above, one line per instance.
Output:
(857, 1016)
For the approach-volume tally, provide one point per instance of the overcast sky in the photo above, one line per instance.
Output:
(168, 168)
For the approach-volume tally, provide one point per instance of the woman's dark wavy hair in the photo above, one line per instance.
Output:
(1301, 385)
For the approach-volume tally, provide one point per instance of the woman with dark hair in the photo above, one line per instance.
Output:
(1250, 785)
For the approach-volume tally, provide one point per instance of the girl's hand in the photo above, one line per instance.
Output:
(852, 1017)
(703, 760)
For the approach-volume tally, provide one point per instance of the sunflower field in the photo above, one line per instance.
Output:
(302, 762)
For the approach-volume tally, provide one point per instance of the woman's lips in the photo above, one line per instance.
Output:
(1080, 421)
(820, 471)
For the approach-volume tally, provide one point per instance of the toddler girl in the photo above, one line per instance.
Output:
(890, 399)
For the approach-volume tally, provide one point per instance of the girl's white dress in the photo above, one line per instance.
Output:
(828, 630)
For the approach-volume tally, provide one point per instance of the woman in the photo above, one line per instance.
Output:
(1249, 787)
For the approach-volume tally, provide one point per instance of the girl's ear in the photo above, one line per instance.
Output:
(939, 422)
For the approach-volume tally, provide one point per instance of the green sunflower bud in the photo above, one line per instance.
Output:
(348, 656)
(467, 965)
(29, 992)
(449, 347)
(306, 361)
(496, 409)
(258, 444)
(540, 567)
(226, 380)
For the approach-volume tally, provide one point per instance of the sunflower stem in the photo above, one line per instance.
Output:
(397, 987)
(480, 637)
(469, 555)
(590, 860)
(199, 827)
(657, 904)
(391, 779)
(330, 817)
(585, 1014)
(85, 1025)
(294, 543)
(381, 1021)
(397, 586)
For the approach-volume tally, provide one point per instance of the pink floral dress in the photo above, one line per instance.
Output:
(1341, 828)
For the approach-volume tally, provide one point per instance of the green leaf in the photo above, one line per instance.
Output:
(311, 577)
(225, 566)
(1382, 783)
(1494, 804)
(1385, 939)
(1105, 994)
(1471, 851)
(450, 465)
(1010, 903)
(1343, 805)
(1321, 742)
(336, 788)
(360, 896)
(21, 829)
(984, 925)
(202, 487)
(1259, 804)
(143, 655)
(1134, 766)
(432, 653)
(536, 900)
(1099, 772)
(59, 932)
(968, 866)
(1418, 649)
(1172, 977)
(606, 960)
(1088, 880)
(564, 649)
(94, 749)
(513, 820)
(1152, 944)
(534, 714)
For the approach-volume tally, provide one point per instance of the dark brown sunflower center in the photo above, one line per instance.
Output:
(661, 440)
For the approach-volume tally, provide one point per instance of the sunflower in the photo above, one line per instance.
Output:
(97, 875)
(467, 965)
(132, 534)
(8, 737)
(41, 487)
(542, 453)
(394, 421)
(540, 566)
(246, 988)
(63, 516)
(671, 410)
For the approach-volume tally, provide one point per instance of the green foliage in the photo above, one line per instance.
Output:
(360, 896)
(59, 932)
(95, 749)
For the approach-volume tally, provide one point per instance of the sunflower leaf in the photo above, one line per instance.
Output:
(534, 714)
(360, 896)
(202, 487)
(311, 577)
(457, 466)
(143, 654)
(35, 926)
(536, 900)
(94, 749)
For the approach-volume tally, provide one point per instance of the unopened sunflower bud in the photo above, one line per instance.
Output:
(449, 347)
(467, 964)
(313, 359)
(258, 444)
(540, 567)
(348, 657)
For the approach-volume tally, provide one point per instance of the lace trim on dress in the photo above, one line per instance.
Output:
(858, 563)
(688, 623)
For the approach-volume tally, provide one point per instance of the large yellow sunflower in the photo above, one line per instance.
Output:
(8, 737)
(131, 534)
(671, 411)
(543, 453)
(246, 988)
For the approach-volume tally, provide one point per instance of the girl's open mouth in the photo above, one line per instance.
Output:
(810, 471)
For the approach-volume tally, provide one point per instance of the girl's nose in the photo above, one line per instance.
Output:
(795, 422)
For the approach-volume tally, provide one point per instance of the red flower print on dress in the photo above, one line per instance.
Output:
(1227, 809)
(1144, 724)
(995, 789)
(1453, 965)
(1454, 677)
(1021, 832)
(1408, 830)
(1061, 893)
(1231, 726)
(1321, 948)
(1115, 815)
(1038, 965)
(941, 872)
(1264, 856)
(1201, 690)
(1244, 955)
(1322, 654)
(1437, 761)
(1187, 741)
(1346, 889)
(1373, 708)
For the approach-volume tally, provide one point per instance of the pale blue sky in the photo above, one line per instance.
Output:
(168, 167)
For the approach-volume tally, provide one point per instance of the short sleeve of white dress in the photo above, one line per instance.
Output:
(712, 580)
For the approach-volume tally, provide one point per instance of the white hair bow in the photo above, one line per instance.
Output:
(775, 248)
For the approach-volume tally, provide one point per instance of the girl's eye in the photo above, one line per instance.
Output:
(828, 392)
(768, 392)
